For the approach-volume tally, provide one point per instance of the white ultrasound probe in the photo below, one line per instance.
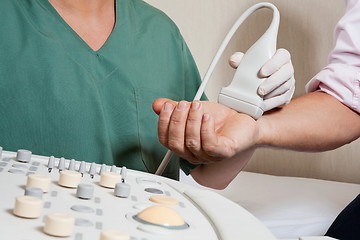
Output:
(241, 95)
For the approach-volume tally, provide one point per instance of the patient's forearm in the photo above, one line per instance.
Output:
(313, 122)
(218, 175)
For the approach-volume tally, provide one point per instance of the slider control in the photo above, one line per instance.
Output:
(123, 173)
(92, 170)
(61, 165)
(51, 163)
(72, 165)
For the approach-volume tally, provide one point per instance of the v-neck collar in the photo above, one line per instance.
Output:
(50, 7)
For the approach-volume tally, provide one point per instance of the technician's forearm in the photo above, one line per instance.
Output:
(313, 122)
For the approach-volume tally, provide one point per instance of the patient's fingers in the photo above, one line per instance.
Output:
(176, 131)
(164, 121)
(193, 126)
(209, 138)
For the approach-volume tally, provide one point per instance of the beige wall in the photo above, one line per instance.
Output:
(306, 30)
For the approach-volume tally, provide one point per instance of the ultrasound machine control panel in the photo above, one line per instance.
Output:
(57, 198)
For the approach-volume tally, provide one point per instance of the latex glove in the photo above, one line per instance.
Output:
(279, 86)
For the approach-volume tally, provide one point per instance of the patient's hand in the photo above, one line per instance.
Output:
(203, 132)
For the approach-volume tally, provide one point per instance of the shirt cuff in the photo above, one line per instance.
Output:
(340, 81)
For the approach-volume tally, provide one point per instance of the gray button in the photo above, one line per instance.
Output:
(147, 182)
(54, 193)
(1, 169)
(167, 193)
(33, 191)
(99, 212)
(181, 204)
(99, 225)
(85, 191)
(23, 155)
(153, 190)
(97, 200)
(3, 164)
(6, 159)
(29, 173)
(83, 222)
(134, 198)
(47, 204)
(35, 164)
(78, 236)
(33, 169)
(82, 209)
(122, 190)
(16, 171)
(19, 165)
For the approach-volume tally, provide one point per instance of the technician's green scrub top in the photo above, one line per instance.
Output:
(59, 97)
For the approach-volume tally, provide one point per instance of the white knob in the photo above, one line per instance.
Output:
(70, 179)
(28, 207)
(39, 181)
(59, 224)
(23, 155)
(113, 234)
(109, 179)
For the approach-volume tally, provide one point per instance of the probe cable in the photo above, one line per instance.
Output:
(213, 64)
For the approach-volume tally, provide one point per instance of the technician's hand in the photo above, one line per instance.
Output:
(203, 132)
(279, 85)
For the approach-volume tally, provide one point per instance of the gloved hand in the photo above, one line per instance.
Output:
(279, 86)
